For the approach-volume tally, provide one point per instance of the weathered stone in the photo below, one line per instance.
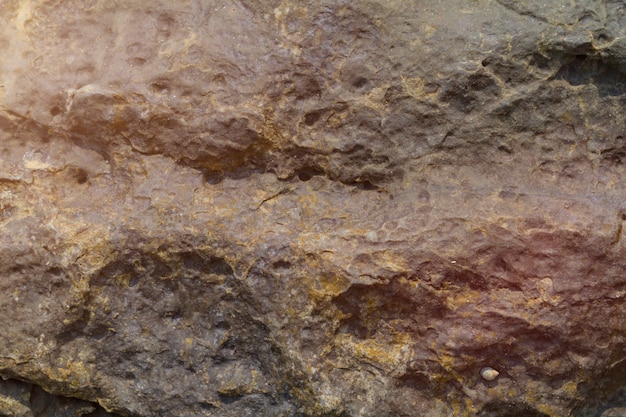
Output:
(313, 208)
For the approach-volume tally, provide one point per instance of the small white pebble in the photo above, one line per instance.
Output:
(489, 374)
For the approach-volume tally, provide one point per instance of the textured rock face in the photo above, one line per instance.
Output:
(293, 208)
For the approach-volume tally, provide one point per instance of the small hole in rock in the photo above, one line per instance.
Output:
(281, 264)
(55, 111)
(211, 176)
(307, 173)
(311, 118)
(603, 37)
(359, 82)
(81, 176)
(160, 86)
(367, 185)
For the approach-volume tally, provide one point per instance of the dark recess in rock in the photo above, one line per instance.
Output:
(499, 409)
(585, 69)
(23, 399)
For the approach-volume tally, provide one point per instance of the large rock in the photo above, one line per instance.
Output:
(324, 208)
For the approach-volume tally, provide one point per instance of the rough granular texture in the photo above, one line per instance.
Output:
(313, 208)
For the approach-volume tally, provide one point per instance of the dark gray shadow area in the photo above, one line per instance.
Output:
(588, 69)
(18, 398)
(605, 392)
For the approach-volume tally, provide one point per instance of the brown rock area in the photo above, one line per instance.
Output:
(313, 208)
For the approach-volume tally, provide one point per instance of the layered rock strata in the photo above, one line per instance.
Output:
(306, 208)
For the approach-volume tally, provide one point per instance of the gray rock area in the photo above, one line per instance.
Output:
(313, 208)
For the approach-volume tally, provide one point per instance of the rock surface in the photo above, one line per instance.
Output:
(313, 208)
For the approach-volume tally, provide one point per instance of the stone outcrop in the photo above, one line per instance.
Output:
(313, 208)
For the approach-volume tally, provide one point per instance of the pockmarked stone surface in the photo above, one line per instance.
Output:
(313, 208)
